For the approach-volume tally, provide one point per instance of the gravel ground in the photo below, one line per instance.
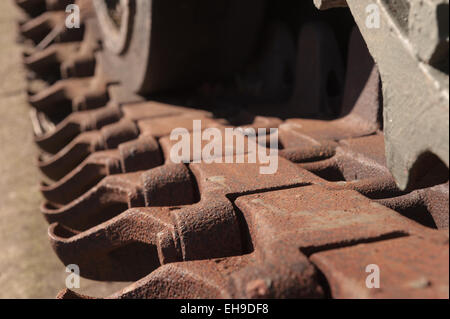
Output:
(28, 266)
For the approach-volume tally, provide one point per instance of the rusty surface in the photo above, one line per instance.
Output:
(412, 268)
(59, 57)
(73, 93)
(121, 209)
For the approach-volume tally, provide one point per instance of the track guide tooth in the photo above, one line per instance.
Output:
(49, 28)
(37, 28)
(76, 93)
(76, 123)
(111, 197)
(109, 137)
(354, 166)
(123, 190)
(427, 206)
(136, 155)
(96, 243)
(50, 59)
(78, 181)
(83, 63)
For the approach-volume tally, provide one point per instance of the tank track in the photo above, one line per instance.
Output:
(121, 210)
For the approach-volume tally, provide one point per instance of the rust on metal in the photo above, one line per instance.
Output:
(212, 226)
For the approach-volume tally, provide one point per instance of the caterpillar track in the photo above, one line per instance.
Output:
(355, 185)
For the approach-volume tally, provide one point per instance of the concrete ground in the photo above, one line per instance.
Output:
(28, 266)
